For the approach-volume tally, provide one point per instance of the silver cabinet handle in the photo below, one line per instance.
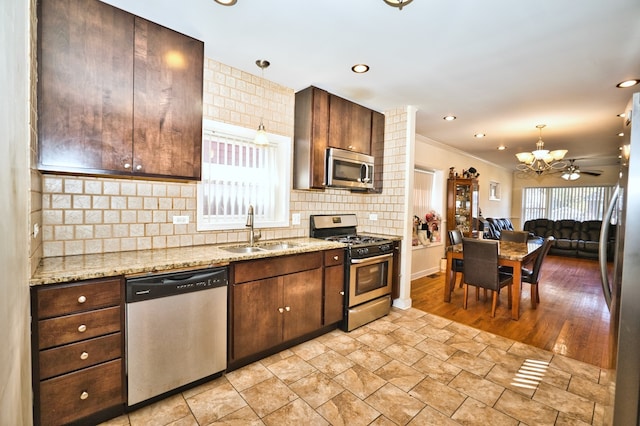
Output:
(84, 395)
(336, 257)
(287, 308)
(127, 165)
(82, 328)
(342, 293)
(281, 310)
(82, 299)
(84, 355)
(139, 167)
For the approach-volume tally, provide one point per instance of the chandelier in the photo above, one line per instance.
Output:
(541, 160)
(398, 3)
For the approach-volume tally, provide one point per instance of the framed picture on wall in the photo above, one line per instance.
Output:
(494, 191)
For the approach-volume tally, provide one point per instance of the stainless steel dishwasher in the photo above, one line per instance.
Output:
(176, 330)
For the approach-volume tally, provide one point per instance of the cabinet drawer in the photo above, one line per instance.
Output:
(253, 270)
(334, 257)
(76, 327)
(64, 359)
(62, 300)
(80, 394)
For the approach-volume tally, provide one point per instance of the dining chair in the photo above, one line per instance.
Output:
(481, 270)
(515, 236)
(532, 276)
(455, 237)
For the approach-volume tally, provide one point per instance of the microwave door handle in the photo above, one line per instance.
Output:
(366, 178)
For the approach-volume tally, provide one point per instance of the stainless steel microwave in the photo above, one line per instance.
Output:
(347, 169)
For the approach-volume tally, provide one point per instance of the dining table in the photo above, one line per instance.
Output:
(510, 253)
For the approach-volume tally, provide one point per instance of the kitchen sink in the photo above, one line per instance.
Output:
(279, 246)
(242, 249)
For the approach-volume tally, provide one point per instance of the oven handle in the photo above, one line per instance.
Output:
(372, 259)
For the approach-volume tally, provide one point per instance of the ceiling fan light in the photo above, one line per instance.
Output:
(570, 176)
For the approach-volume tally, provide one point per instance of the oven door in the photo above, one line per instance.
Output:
(370, 278)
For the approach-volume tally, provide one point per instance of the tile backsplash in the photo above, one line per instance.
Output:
(84, 215)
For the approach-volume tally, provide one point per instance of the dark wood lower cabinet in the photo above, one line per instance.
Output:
(78, 351)
(80, 394)
(281, 300)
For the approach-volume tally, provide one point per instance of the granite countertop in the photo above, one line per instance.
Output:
(81, 267)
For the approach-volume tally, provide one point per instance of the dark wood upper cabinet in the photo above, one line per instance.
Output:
(324, 120)
(117, 94)
(349, 125)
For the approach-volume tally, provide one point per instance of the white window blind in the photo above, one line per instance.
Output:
(556, 203)
(422, 192)
(237, 173)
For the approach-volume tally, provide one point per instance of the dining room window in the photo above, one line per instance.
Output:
(557, 203)
(423, 192)
(237, 173)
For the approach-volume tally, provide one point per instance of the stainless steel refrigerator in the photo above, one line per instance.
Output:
(621, 283)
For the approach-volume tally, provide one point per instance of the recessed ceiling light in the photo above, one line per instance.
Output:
(621, 134)
(360, 68)
(621, 115)
(502, 148)
(449, 117)
(628, 83)
(479, 135)
(226, 2)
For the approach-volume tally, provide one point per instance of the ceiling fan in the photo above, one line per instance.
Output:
(573, 172)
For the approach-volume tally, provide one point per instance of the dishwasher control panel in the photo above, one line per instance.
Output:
(174, 283)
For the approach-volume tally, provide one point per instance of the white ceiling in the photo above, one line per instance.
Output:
(500, 66)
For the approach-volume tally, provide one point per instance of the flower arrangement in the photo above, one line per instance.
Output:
(432, 216)
(433, 220)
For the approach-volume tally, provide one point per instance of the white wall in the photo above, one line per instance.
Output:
(436, 156)
(15, 366)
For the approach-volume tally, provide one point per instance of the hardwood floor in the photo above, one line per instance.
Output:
(572, 318)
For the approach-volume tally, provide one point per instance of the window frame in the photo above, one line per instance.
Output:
(546, 204)
(282, 180)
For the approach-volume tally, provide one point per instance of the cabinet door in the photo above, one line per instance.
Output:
(311, 133)
(85, 81)
(302, 303)
(167, 96)
(257, 323)
(333, 294)
(349, 125)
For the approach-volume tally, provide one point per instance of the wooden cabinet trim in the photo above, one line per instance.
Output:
(76, 327)
(253, 270)
(77, 297)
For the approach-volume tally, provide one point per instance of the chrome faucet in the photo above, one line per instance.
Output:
(252, 234)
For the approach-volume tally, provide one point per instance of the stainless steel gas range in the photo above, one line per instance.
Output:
(368, 268)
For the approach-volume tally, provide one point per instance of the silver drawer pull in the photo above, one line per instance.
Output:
(84, 395)
(82, 328)
(84, 355)
(281, 310)
(139, 167)
(336, 257)
(127, 165)
(342, 293)
(287, 308)
(82, 299)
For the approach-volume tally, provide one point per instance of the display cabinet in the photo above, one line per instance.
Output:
(462, 205)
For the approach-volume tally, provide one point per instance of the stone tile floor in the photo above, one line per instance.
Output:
(409, 367)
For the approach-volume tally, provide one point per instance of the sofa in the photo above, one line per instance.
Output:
(572, 237)
(494, 226)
